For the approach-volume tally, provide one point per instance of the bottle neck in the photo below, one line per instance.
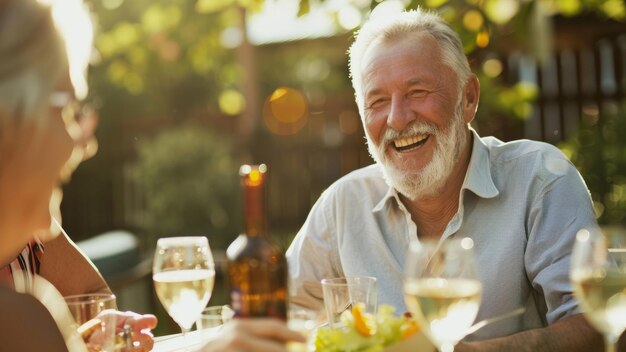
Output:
(254, 210)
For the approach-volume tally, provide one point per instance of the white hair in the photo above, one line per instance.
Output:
(402, 25)
(37, 48)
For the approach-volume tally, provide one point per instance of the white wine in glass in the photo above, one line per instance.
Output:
(184, 274)
(441, 289)
(598, 274)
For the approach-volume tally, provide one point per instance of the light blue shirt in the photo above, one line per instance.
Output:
(521, 202)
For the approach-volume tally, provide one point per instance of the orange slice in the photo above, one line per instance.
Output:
(361, 323)
(409, 329)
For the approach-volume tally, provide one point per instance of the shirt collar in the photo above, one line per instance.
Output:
(478, 178)
(389, 195)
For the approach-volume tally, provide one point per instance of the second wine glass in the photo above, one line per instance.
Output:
(441, 289)
(598, 274)
(184, 274)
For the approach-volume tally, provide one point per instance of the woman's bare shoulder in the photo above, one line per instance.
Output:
(26, 325)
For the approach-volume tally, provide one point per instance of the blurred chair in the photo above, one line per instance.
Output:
(118, 256)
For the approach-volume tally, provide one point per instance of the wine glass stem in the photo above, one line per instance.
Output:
(447, 347)
(186, 339)
(610, 343)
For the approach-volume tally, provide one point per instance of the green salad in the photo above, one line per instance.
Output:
(366, 334)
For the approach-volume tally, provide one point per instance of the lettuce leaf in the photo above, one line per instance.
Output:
(390, 329)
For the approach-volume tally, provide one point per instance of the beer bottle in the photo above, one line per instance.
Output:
(257, 269)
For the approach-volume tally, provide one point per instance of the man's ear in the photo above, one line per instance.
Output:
(471, 96)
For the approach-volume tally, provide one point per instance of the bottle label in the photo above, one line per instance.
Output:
(259, 305)
(235, 301)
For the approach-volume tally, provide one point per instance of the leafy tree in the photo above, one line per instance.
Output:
(188, 177)
(599, 151)
(163, 63)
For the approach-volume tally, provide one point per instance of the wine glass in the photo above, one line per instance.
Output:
(88, 312)
(598, 274)
(184, 274)
(441, 289)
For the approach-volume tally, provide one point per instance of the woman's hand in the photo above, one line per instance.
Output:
(141, 326)
(254, 334)
(140, 330)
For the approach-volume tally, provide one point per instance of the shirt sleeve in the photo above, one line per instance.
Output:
(562, 207)
(313, 255)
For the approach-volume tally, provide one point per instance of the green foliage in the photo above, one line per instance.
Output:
(599, 152)
(188, 177)
(495, 23)
(165, 60)
(162, 56)
(500, 101)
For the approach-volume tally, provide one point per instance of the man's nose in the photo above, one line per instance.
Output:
(399, 114)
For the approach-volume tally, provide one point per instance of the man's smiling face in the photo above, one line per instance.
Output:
(412, 113)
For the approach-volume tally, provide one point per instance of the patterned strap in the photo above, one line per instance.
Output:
(27, 264)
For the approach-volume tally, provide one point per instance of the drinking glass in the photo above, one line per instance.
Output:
(304, 321)
(441, 289)
(598, 274)
(88, 307)
(213, 317)
(343, 293)
(184, 274)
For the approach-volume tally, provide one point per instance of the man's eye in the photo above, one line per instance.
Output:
(377, 103)
(417, 92)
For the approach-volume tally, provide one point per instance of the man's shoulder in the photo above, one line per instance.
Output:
(525, 159)
(521, 149)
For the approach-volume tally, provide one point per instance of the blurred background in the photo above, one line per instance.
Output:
(187, 90)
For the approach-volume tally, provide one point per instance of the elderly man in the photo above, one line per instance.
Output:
(435, 178)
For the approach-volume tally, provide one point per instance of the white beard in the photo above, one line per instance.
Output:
(429, 180)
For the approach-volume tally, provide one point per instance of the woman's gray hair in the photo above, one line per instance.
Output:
(402, 25)
(35, 53)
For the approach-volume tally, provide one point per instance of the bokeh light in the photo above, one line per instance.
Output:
(591, 113)
(349, 17)
(492, 67)
(569, 7)
(169, 50)
(134, 82)
(285, 111)
(473, 20)
(435, 3)
(331, 136)
(615, 9)
(387, 8)
(112, 4)
(501, 11)
(160, 18)
(288, 105)
(482, 39)
(231, 102)
(312, 69)
(117, 71)
(231, 37)
(126, 35)
(316, 96)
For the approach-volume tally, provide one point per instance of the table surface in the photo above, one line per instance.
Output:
(175, 342)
